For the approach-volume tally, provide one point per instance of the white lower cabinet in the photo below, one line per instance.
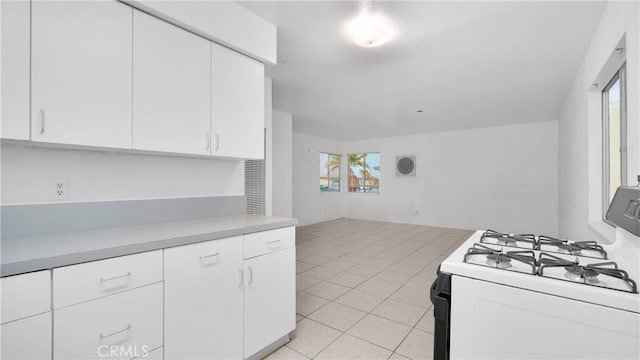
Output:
(269, 299)
(203, 300)
(28, 338)
(120, 326)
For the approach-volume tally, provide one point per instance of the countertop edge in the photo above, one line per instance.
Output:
(47, 263)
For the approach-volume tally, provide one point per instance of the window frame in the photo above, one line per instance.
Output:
(365, 153)
(329, 190)
(620, 75)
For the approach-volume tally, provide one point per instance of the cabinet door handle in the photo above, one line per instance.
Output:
(273, 242)
(250, 275)
(209, 256)
(241, 277)
(127, 328)
(217, 142)
(208, 139)
(116, 277)
(41, 121)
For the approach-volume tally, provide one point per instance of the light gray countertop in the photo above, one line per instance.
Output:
(32, 253)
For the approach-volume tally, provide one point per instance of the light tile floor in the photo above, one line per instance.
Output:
(363, 289)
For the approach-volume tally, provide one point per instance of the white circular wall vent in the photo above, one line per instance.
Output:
(406, 165)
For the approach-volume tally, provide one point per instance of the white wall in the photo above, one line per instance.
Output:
(309, 205)
(282, 165)
(102, 176)
(504, 178)
(501, 178)
(579, 166)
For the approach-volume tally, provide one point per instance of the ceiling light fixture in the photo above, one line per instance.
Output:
(369, 29)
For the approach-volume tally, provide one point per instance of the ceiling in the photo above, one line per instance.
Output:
(464, 64)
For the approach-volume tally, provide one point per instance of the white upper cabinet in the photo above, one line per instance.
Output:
(237, 104)
(15, 69)
(81, 73)
(171, 88)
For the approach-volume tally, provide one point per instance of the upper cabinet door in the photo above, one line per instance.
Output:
(15, 69)
(81, 73)
(171, 88)
(237, 104)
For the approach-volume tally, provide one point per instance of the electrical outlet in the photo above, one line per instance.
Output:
(59, 189)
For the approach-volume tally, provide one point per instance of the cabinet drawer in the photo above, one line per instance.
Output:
(25, 295)
(78, 283)
(131, 321)
(195, 258)
(268, 241)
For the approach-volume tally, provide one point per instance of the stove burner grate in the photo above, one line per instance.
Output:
(580, 248)
(527, 241)
(587, 274)
(500, 259)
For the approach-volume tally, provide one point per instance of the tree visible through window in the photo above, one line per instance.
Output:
(615, 136)
(364, 172)
(329, 172)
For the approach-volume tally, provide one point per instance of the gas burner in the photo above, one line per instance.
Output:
(581, 273)
(500, 261)
(520, 261)
(604, 274)
(579, 248)
(526, 241)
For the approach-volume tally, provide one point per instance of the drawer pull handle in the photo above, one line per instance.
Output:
(241, 277)
(250, 275)
(116, 277)
(41, 121)
(209, 256)
(274, 242)
(103, 336)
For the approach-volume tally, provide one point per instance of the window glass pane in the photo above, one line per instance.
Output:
(615, 163)
(334, 172)
(364, 172)
(329, 172)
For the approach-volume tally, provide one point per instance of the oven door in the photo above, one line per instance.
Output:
(491, 321)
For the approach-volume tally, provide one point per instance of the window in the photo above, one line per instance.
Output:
(329, 172)
(615, 136)
(364, 172)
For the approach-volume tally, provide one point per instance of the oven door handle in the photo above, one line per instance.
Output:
(441, 298)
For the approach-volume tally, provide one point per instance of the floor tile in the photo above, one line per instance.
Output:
(299, 317)
(361, 300)
(405, 268)
(412, 296)
(396, 356)
(315, 259)
(347, 279)
(307, 303)
(310, 337)
(302, 267)
(401, 312)
(304, 282)
(417, 345)
(380, 331)
(285, 353)
(327, 290)
(337, 316)
(426, 323)
(379, 287)
(393, 277)
(377, 263)
(349, 347)
(321, 272)
(340, 265)
(363, 270)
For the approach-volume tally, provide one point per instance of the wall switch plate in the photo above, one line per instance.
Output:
(59, 189)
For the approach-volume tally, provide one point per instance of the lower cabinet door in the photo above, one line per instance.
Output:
(28, 338)
(269, 299)
(203, 300)
(119, 326)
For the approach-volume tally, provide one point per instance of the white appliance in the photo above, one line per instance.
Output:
(505, 296)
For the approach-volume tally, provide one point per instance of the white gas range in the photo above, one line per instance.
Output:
(506, 296)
